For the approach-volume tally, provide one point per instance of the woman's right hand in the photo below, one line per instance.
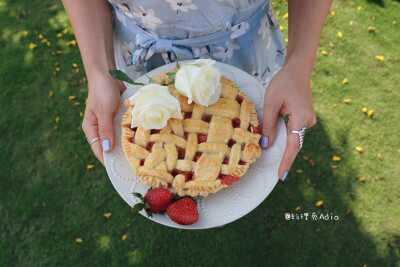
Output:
(102, 105)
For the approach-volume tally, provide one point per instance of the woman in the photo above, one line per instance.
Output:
(242, 33)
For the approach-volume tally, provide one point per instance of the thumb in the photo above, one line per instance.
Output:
(106, 132)
(268, 126)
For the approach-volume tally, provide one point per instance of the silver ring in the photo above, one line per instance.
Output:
(93, 140)
(301, 134)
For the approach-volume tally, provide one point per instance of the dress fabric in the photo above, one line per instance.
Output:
(242, 33)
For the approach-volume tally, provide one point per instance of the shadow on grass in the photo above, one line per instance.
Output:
(265, 238)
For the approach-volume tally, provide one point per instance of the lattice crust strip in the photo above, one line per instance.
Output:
(210, 148)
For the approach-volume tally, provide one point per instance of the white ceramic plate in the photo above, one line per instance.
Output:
(227, 205)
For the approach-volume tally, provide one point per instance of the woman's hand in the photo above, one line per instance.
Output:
(102, 105)
(288, 93)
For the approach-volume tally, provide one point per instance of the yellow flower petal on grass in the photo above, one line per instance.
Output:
(124, 237)
(298, 208)
(333, 13)
(59, 34)
(72, 42)
(371, 112)
(44, 40)
(282, 28)
(340, 34)
(65, 31)
(361, 179)
(25, 33)
(336, 158)
(48, 43)
(371, 29)
(57, 119)
(345, 80)
(90, 167)
(74, 65)
(359, 8)
(79, 240)
(58, 69)
(40, 36)
(81, 114)
(285, 16)
(107, 215)
(331, 45)
(299, 171)
(347, 100)
(308, 181)
(324, 52)
(72, 97)
(379, 156)
(358, 149)
(364, 110)
(334, 166)
(50, 94)
(394, 22)
(32, 46)
(380, 58)
(76, 70)
(286, 40)
(319, 203)
(334, 105)
(77, 104)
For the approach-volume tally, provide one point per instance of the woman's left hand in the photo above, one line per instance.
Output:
(288, 93)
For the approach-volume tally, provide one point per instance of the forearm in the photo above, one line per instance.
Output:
(92, 24)
(306, 21)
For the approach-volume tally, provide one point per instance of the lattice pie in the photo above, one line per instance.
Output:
(209, 149)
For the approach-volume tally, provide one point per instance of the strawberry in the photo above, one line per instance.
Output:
(183, 211)
(155, 201)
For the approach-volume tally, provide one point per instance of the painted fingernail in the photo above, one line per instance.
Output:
(264, 141)
(106, 145)
(284, 176)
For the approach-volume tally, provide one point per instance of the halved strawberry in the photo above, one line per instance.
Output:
(183, 211)
(155, 201)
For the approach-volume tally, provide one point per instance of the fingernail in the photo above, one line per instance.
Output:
(264, 141)
(284, 176)
(106, 145)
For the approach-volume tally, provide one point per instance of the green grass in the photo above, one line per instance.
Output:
(49, 198)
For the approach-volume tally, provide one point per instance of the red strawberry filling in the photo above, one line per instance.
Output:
(206, 118)
(187, 115)
(201, 138)
(241, 162)
(255, 129)
(181, 152)
(197, 156)
(189, 175)
(226, 160)
(142, 162)
(239, 99)
(227, 179)
(231, 142)
(185, 135)
(243, 145)
(235, 122)
(149, 146)
(155, 131)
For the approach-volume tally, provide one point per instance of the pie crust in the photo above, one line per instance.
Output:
(209, 149)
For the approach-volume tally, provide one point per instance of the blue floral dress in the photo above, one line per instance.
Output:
(242, 33)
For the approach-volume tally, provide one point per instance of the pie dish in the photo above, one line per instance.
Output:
(207, 150)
